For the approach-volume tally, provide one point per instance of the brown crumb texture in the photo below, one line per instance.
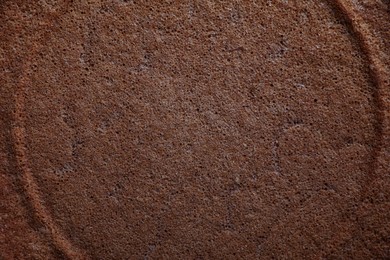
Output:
(194, 129)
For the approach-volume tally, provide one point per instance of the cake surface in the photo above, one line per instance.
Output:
(194, 129)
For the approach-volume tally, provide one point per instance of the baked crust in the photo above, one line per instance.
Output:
(194, 130)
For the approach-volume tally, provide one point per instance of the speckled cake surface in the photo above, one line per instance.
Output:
(195, 129)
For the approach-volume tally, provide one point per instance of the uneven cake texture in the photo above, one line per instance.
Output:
(194, 129)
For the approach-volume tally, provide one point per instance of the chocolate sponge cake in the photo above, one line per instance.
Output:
(195, 129)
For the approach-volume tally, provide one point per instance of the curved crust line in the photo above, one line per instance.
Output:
(369, 46)
(20, 147)
(378, 72)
